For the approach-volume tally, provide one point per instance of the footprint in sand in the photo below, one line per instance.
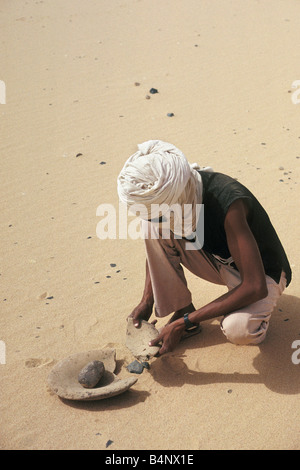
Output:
(38, 362)
(43, 296)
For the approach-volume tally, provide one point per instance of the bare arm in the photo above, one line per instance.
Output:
(245, 252)
(144, 310)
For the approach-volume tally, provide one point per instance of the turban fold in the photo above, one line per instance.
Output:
(158, 173)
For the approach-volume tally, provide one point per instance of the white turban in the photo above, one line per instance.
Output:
(158, 173)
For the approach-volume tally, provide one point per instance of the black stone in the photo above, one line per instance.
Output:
(146, 365)
(135, 367)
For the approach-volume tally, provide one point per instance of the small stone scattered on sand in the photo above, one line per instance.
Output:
(153, 91)
(146, 365)
(135, 367)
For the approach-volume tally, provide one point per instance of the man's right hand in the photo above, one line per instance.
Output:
(142, 312)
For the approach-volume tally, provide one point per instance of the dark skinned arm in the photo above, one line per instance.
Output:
(244, 250)
(143, 310)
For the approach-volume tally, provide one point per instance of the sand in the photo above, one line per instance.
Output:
(73, 115)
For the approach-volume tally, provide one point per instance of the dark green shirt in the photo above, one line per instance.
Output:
(219, 192)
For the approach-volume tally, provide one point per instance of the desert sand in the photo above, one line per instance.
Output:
(76, 76)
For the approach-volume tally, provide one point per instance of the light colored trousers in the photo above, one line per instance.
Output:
(166, 256)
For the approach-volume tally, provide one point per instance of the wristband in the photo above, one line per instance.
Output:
(187, 322)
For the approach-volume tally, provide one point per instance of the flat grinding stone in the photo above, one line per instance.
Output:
(137, 340)
(63, 378)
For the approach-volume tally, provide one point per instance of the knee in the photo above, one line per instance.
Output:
(241, 330)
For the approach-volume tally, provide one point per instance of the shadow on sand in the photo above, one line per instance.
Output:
(273, 362)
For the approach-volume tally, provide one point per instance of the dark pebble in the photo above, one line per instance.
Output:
(229, 391)
(109, 443)
(153, 91)
(146, 365)
(135, 367)
(78, 155)
(102, 163)
(91, 374)
(113, 265)
(50, 297)
(170, 114)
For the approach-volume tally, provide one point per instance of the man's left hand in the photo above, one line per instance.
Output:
(169, 336)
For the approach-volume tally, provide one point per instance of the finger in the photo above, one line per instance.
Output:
(136, 321)
(163, 350)
(155, 341)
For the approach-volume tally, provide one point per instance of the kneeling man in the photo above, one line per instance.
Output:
(215, 227)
